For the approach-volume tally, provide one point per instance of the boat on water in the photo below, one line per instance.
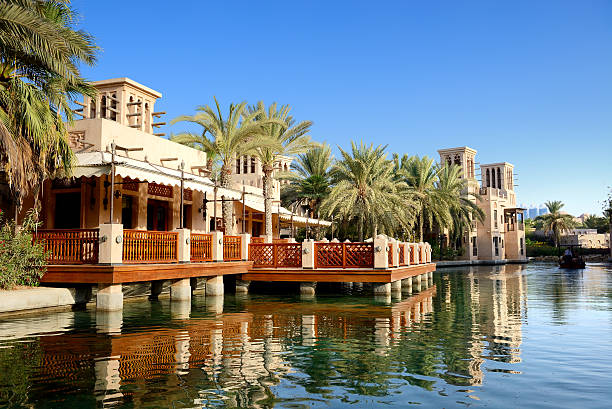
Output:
(571, 259)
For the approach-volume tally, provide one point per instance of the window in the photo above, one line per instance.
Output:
(474, 248)
(92, 109)
(237, 166)
(488, 179)
(496, 245)
(103, 109)
(252, 164)
(499, 184)
(245, 165)
(522, 244)
(495, 218)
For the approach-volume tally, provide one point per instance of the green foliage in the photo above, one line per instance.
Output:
(22, 262)
(540, 248)
(602, 224)
(447, 253)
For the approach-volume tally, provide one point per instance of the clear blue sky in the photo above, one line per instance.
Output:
(527, 82)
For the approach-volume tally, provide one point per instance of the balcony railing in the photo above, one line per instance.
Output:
(140, 246)
(232, 248)
(344, 255)
(276, 254)
(201, 247)
(73, 246)
(402, 252)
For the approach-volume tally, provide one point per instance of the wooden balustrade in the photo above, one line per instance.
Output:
(232, 248)
(275, 254)
(402, 252)
(411, 255)
(390, 254)
(201, 247)
(142, 246)
(344, 255)
(258, 239)
(73, 246)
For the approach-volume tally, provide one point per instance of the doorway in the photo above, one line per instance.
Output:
(127, 211)
(68, 210)
(157, 215)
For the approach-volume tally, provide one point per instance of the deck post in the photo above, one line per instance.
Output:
(245, 241)
(308, 254)
(180, 289)
(184, 243)
(381, 251)
(214, 286)
(109, 297)
(217, 245)
(407, 286)
(308, 288)
(242, 287)
(396, 288)
(382, 288)
(395, 246)
(111, 244)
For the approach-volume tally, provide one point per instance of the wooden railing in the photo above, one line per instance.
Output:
(201, 247)
(344, 255)
(412, 251)
(402, 252)
(141, 246)
(275, 254)
(232, 246)
(75, 246)
(258, 239)
(390, 255)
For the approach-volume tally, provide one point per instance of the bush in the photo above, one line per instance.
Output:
(447, 253)
(22, 262)
(540, 248)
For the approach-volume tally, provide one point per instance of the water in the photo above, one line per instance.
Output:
(509, 336)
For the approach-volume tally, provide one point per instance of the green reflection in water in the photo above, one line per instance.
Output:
(500, 337)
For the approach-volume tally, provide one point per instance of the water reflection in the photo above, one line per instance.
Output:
(262, 351)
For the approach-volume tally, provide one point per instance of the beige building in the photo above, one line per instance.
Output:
(149, 171)
(501, 236)
(587, 238)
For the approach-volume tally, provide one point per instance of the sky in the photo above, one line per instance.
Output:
(526, 82)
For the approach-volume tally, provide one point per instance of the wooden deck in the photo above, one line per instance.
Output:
(132, 273)
(337, 275)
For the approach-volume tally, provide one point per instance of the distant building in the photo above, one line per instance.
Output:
(502, 233)
(542, 211)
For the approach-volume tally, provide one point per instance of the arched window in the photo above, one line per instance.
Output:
(457, 160)
(245, 164)
(252, 164)
(499, 184)
(488, 179)
(103, 108)
(237, 166)
(449, 161)
(113, 105)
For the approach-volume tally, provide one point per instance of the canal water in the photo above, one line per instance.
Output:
(508, 336)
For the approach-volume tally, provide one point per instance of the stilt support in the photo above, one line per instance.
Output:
(109, 297)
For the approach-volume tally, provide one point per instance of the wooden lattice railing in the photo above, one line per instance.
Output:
(201, 247)
(275, 254)
(141, 246)
(232, 246)
(402, 252)
(344, 255)
(74, 246)
(258, 239)
(390, 255)
(411, 255)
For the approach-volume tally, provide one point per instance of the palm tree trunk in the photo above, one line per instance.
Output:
(227, 207)
(361, 228)
(267, 193)
(421, 226)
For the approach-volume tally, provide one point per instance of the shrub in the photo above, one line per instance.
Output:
(22, 262)
(540, 248)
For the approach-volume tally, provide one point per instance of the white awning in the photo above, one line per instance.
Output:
(98, 164)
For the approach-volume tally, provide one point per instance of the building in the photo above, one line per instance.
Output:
(501, 235)
(143, 191)
(587, 238)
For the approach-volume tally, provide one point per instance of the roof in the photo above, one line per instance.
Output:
(126, 80)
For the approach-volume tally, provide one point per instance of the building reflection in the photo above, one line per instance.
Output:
(235, 358)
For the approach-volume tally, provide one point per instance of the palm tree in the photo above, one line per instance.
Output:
(555, 221)
(228, 138)
(40, 53)
(422, 176)
(463, 209)
(289, 139)
(309, 180)
(365, 191)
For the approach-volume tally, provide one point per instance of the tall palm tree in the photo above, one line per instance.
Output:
(555, 221)
(421, 175)
(228, 137)
(463, 209)
(365, 191)
(40, 52)
(289, 138)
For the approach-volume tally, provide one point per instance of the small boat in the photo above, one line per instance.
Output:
(573, 260)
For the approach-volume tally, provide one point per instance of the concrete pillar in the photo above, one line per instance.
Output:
(242, 287)
(180, 309)
(416, 283)
(109, 297)
(156, 289)
(394, 244)
(407, 286)
(382, 288)
(244, 250)
(308, 254)
(217, 246)
(184, 245)
(308, 288)
(111, 244)
(214, 286)
(180, 290)
(381, 252)
(396, 289)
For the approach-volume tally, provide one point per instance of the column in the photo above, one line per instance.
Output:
(180, 290)
(382, 288)
(308, 288)
(156, 289)
(111, 243)
(214, 286)
(381, 251)
(416, 283)
(396, 288)
(407, 286)
(109, 297)
(184, 245)
(217, 246)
